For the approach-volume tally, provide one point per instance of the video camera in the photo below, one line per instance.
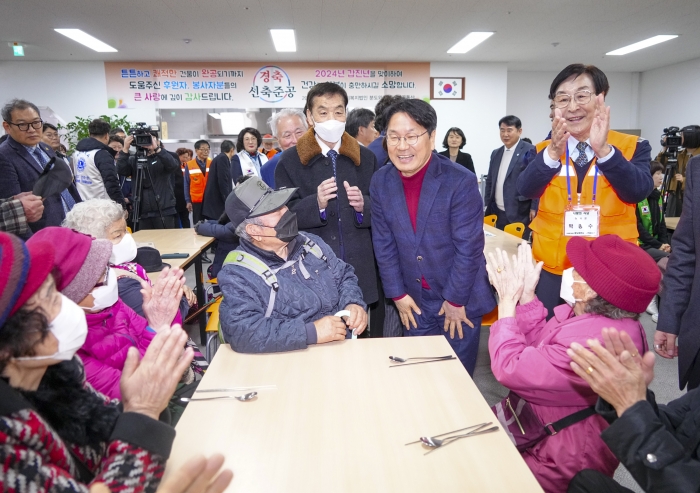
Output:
(671, 139)
(142, 134)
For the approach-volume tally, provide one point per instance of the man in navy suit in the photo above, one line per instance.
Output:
(501, 196)
(427, 228)
(25, 157)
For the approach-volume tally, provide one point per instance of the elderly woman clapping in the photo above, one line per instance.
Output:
(611, 282)
(56, 432)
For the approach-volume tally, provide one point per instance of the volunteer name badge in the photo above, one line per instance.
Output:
(582, 220)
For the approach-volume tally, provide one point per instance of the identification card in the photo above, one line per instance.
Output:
(582, 220)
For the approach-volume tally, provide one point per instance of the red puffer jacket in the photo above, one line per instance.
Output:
(111, 333)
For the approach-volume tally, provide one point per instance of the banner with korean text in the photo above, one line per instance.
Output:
(256, 85)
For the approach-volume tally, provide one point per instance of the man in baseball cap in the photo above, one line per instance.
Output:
(282, 289)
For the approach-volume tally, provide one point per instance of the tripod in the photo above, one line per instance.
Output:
(141, 168)
(671, 165)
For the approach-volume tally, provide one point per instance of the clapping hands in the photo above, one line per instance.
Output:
(515, 281)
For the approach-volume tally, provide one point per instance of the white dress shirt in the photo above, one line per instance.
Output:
(502, 172)
(573, 153)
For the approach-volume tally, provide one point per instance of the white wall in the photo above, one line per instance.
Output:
(70, 89)
(484, 104)
(527, 99)
(669, 97)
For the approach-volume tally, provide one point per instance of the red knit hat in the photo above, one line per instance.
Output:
(80, 260)
(621, 273)
(23, 269)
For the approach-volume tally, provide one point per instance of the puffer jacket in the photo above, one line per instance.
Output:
(111, 333)
(528, 356)
(330, 287)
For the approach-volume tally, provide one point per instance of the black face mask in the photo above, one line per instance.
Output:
(286, 229)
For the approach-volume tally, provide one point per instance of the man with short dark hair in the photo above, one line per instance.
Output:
(23, 157)
(427, 228)
(196, 173)
(49, 136)
(360, 125)
(588, 178)
(219, 182)
(377, 146)
(501, 196)
(332, 173)
(95, 173)
(119, 132)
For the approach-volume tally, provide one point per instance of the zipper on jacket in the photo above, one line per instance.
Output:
(512, 411)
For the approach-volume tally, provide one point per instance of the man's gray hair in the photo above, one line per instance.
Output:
(93, 217)
(240, 229)
(286, 112)
(17, 104)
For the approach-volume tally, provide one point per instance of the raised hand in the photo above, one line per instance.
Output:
(507, 279)
(560, 136)
(161, 302)
(600, 128)
(355, 197)
(530, 272)
(326, 191)
(618, 342)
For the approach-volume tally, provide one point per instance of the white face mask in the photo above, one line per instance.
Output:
(330, 130)
(105, 296)
(566, 291)
(124, 251)
(70, 328)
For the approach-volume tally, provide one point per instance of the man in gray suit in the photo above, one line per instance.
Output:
(501, 196)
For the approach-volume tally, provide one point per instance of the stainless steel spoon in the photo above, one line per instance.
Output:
(436, 443)
(242, 398)
(403, 360)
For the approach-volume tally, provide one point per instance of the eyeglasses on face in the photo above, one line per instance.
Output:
(580, 97)
(36, 125)
(411, 139)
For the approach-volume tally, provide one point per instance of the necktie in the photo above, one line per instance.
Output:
(582, 159)
(66, 198)
(334, 156)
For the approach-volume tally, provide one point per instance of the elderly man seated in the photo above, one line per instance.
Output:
(282, 288)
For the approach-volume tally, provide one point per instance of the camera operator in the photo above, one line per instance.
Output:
(157, 206)
(690, 140)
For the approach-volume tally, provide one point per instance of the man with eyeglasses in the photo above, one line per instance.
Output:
(427, 227)
(606, 175)
(332, 173)
(23, 157)
(287, 125)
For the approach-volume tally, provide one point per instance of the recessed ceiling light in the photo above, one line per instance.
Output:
(470, 41)
(85, 39)
(284, 39)
(642, 44)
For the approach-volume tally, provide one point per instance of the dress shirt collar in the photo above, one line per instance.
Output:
(325, 148)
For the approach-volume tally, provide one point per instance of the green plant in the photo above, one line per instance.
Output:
(78, 129)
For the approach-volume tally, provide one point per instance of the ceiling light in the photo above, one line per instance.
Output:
(470, 41)
(85, 39)
(284, 39)
(642, 44)
(18, 49)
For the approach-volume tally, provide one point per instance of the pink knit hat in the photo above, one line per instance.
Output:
(620, 272)
(80, 260)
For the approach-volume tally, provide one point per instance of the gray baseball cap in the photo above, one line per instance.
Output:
(253, 198)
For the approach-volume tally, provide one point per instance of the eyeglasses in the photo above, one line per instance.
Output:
(580, 97)
(411, 139)
(25, 126)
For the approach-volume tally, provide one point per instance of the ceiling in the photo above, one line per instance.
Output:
(358, 30)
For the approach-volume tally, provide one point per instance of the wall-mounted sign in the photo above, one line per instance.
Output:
(254, 85)
(447, 88)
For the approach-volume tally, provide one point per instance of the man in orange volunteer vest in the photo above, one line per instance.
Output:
(607, 173)
(196, 173)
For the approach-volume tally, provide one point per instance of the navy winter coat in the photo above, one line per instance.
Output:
(332, 285)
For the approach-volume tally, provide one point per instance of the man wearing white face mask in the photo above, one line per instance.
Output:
(610, 284)
(332, 173)
(84, 277)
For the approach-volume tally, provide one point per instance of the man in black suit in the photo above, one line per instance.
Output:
(679, 310)
(25, 157)
(501, 196)
(220, 183)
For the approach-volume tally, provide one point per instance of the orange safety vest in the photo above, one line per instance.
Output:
(198, 181)
(616, 217)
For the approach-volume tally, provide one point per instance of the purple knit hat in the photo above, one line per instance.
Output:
(80, 260)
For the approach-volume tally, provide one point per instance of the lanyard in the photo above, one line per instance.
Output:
(568, 179)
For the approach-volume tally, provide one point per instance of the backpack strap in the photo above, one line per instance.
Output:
(254, 264)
